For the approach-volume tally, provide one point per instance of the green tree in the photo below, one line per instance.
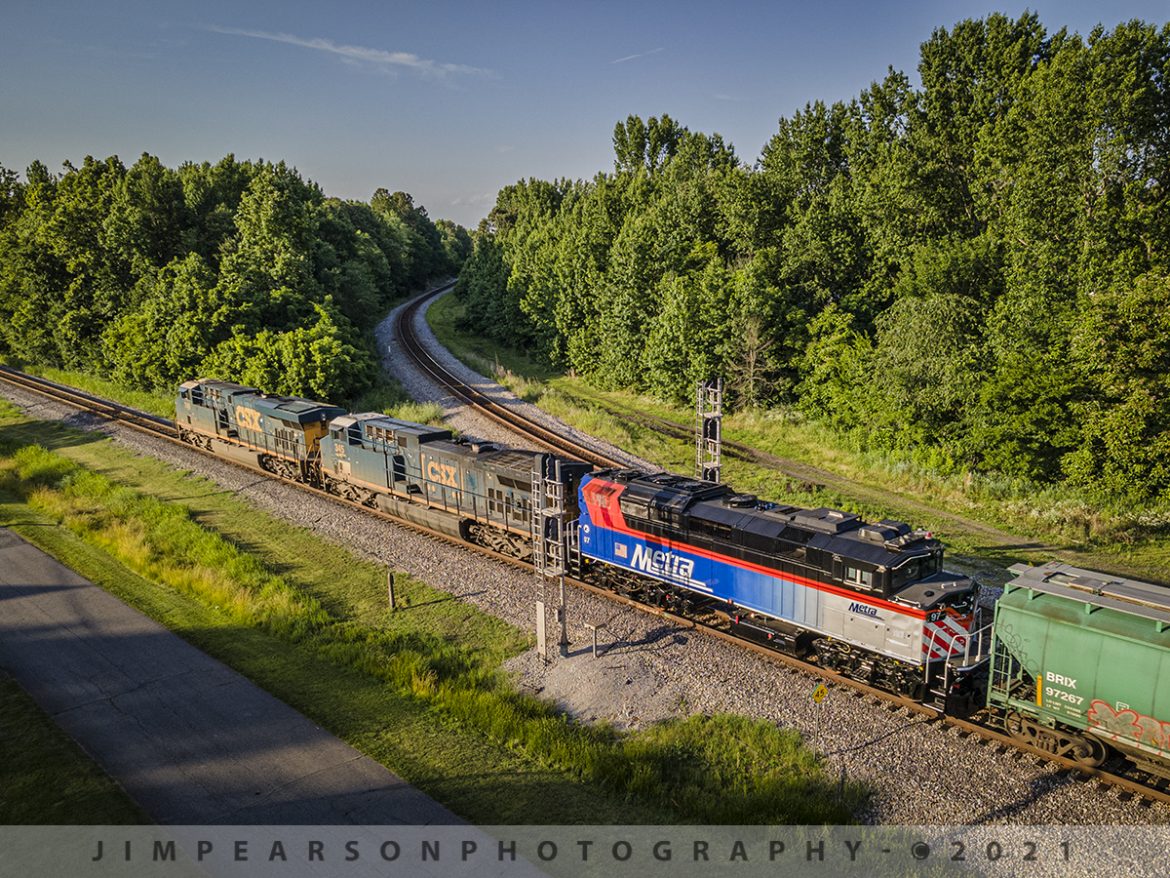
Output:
(1123, 346)
(319, 360)
(177, 323)
(645, 146)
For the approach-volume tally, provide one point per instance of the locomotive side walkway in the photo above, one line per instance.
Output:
(189, 739)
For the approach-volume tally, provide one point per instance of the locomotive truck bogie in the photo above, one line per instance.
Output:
(875, 594)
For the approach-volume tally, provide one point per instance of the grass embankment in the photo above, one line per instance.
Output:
(419, 689)
(45, 778)
(386, 396)
(156, 403)
(1043, 516)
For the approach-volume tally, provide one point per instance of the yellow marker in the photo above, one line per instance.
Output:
(819, 693)
(1039, 690)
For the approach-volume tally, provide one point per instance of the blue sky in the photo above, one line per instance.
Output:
(448, 101)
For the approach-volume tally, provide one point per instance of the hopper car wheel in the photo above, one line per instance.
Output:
(1085, 749)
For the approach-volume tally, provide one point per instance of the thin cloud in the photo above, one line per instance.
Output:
(360, 54)
(474, 200)
(639, 55)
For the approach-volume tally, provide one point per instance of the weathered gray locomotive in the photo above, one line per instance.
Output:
(476, 491)
(869, 600)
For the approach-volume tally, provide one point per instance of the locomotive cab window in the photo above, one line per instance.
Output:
(857, 576)
(910, 571)
(632, 508)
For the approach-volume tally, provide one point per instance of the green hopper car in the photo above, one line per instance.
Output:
(1081, 665)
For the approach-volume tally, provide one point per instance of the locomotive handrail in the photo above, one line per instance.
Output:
(974, 638)
(976, 643)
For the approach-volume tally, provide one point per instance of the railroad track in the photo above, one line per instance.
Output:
(531, 430)
(130, 417)
(1147, 788)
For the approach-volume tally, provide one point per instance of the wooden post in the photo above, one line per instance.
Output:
(541, 643)
(390, 586)
(563, 619)
(595, 627)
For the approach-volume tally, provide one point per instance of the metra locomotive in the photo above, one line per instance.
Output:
(1077, 663)
(870, 600)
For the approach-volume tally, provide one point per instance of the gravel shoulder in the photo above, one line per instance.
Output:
(652, 670)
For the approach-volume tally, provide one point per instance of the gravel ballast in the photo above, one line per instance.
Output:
(651, 669)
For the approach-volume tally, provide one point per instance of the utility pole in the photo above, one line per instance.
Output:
(709, 429)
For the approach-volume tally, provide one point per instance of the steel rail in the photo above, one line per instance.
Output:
(506, 417)
(1153, 790)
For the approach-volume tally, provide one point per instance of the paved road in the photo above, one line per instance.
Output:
(188, 738)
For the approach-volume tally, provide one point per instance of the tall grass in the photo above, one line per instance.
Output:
(1052, 512)
(389, 398)
(430, 413)
(704, 769)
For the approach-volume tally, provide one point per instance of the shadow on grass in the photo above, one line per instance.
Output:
(189, 717)
(52, 435)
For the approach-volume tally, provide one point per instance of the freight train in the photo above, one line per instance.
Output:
(871, 601)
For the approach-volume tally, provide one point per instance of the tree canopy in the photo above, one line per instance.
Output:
(978, 267)
(238, 270)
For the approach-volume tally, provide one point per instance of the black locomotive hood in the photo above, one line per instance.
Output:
(938, 589)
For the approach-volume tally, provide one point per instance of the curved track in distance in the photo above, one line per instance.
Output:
(1148, 789)
(525, 427)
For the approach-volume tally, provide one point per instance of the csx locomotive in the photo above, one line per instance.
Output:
(870, 600)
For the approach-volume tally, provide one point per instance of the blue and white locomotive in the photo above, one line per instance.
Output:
(870, 600)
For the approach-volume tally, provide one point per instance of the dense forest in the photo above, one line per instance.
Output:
(976, 270)
(239, 270)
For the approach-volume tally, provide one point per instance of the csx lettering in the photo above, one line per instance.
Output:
(1066, 682)
(443, 473)
(249, 419)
